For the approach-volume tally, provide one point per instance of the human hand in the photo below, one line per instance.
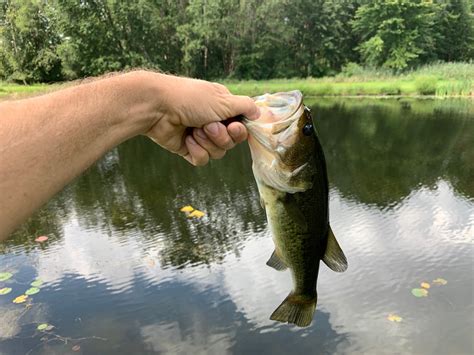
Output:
(189, 123)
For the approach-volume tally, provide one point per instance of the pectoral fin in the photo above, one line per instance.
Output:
(334, 257)
(276, 262)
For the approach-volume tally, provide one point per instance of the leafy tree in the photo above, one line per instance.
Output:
(29, 41)
(321, 38)
(50, 40)
(106, 35)
(395, 33)
(455, 22)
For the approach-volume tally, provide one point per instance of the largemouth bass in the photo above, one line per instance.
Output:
(290, 171)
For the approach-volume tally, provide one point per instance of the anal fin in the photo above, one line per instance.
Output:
(334, 257)
(276, 262)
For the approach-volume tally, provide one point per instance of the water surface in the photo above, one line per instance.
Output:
(125, 271)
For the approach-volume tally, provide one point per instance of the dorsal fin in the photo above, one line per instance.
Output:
(334, 257)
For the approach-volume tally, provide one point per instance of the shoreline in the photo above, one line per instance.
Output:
(324, 87)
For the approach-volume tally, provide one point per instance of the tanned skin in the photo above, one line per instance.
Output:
(47, 141)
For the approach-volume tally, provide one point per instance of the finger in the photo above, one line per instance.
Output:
(197, 155)
(203, 140)
(237, 132)
(243, 105)
(218, 134)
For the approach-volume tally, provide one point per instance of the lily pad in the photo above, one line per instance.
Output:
(425, 285)
(32, 291)
(4, 276)
(440, 281)
(394, 318)
(42, 326)
(5, 290)
(37, 283)
(20, 299)
(419, 292)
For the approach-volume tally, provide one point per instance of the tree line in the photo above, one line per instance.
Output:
(55, 40)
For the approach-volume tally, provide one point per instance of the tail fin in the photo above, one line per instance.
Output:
(296, 309)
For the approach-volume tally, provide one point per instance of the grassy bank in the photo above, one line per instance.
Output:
(442, 80)
(321, 87)
(447, 79)
(16, 90)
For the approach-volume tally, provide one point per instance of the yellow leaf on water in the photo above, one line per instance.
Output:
(196, 214)
(187, 209)
(440, 281)
(20, 299)
(394, 318)
(425, 285)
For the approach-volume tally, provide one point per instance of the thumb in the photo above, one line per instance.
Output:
(243, 105)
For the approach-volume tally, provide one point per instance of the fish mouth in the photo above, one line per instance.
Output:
(272, 136)
(279, 111)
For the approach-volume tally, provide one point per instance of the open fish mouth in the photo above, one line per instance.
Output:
(275, 138)
(278, 112)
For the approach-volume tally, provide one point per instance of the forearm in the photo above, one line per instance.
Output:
(47, 141)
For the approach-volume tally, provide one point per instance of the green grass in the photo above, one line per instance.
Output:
(440, 79)
(7, 89)
(321, 87)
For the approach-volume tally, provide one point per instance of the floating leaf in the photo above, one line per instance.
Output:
(4, 276)
(76, 348)
(187, 209)
(37, 283)
(394, 318)
(440, 281)
(419, 292)
(20, 299)
(32, 291)
(425, 285)
(196, 214)
(42, 326)
(5, 290)
(41, 239)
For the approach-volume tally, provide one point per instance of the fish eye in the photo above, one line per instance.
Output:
(308, 129)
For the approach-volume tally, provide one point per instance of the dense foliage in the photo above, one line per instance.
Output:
(51, 40)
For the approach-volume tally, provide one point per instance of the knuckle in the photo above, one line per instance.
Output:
(221, 88)
(218, 154)
(225, 142)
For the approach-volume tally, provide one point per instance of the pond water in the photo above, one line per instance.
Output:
(125, 271)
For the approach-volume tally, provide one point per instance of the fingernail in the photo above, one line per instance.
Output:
(201, 133)
(212, 128)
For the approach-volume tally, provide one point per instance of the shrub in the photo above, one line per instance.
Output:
(426, 85)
